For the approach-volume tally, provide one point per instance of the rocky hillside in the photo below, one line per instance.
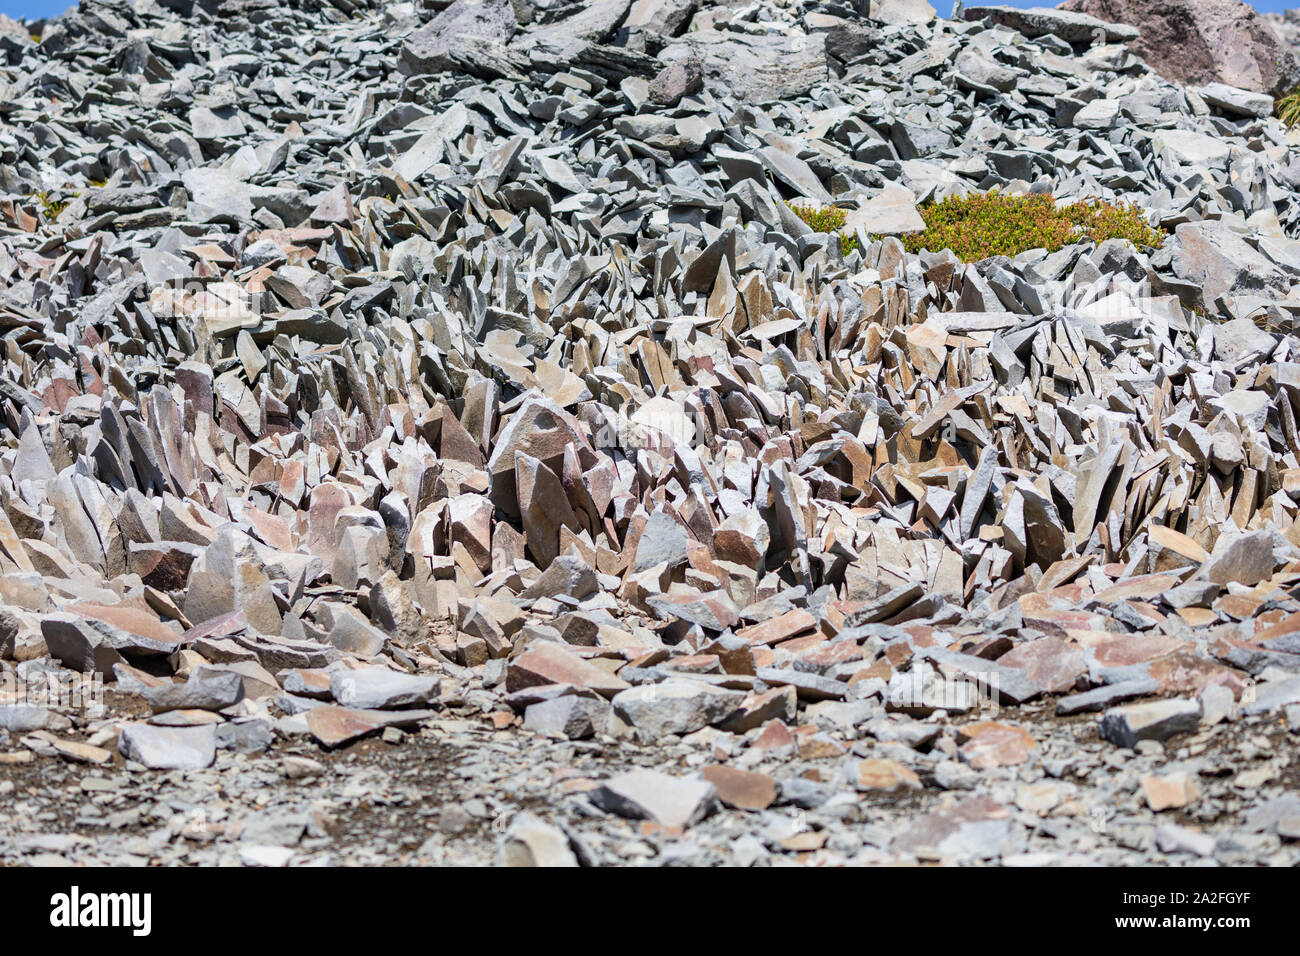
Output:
(565, 433)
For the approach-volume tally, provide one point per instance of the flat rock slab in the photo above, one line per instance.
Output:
(334, 726)
(377, 688)
(740, 788)
(1101, 697)
(649, 795)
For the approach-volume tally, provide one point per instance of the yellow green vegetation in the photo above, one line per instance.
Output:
(52, 207)
(826, 219)
(982, 225)
(1288, 108)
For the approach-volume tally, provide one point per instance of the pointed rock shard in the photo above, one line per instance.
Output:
(1092, 482)
(32, 462)
(927, 347)
(540, 429)
(544, 508)
(978, 484)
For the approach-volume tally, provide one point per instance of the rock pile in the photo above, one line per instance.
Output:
(372, 370)
(1205, 41)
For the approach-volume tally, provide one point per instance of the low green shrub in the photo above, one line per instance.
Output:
(826, 219)
(982, 225)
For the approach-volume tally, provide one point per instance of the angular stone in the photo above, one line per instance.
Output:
(377, 688)
(572, 717)
(1101, 697)
(884, 774)
(741, 789)
(531, 842)
(213, 693)
(1170, 792)
(1158, 720)
(334, 726)
(649, 795)
(169, 748)
(433, 47)
(991, 744)
(549, 663)
(674, 707)
(1247, 559)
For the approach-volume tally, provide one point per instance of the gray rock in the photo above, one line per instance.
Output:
(443, 42)
(169, 748)
(210, 693)
(572, 717)
(378, 688)
(1070, 26)
(1101, 697)
(755, 68)
(674, 707)
(1235, 101)
(1159, 720)
(683, 77)
(1247, 559)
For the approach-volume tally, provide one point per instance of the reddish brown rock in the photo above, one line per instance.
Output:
(741, 789)
(990, 744)
(546, 662)
(1051, 662)
(775, 736)
(1203, 41)
(780, 628)
(883, 774)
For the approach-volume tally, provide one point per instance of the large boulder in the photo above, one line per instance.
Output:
(1203, 41)
(754, 68)
(1041, 21)
(1219, 262)
(458, 34)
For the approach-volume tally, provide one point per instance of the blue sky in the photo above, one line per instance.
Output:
(47, 8)
(34, 9)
